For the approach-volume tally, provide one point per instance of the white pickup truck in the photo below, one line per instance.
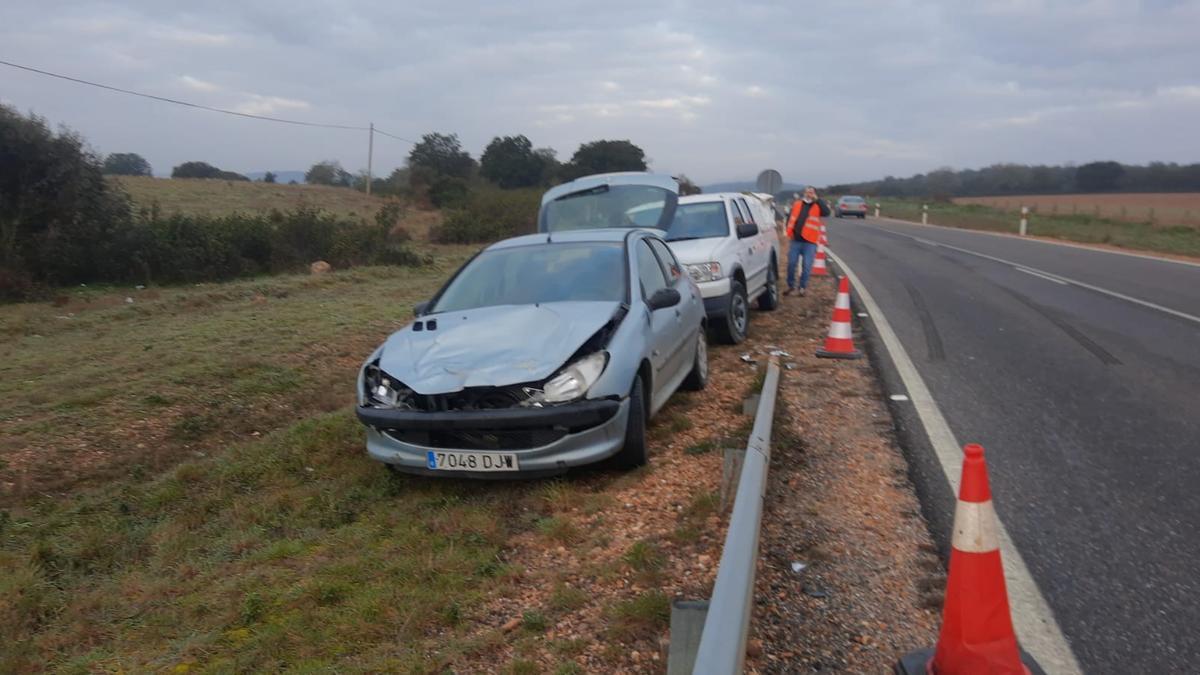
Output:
(729, 244)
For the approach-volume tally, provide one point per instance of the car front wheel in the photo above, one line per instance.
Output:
(732, 329)
(633, 454)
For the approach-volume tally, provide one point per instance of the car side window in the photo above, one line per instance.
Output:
(650, 272)
(669, 263)
(747, 211)
(734, 211)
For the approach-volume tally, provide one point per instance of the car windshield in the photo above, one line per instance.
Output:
(698, 221)
(606, 206)
(536, 274)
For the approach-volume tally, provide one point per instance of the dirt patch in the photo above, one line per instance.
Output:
(1167, 208)
(848, 575)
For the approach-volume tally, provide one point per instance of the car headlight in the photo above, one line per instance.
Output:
(707, 271)
(574, 381)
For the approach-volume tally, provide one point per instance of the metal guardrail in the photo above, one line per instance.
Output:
(722, 649)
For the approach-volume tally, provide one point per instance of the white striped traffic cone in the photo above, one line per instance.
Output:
(839, 344)
(977, 636)
(820, 267)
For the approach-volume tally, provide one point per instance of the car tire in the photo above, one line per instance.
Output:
(733, 327)
(697, 379)
(633, 453)
(769, 299)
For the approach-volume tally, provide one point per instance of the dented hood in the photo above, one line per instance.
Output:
(491, 346)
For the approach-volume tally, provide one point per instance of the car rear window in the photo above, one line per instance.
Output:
(606, 206)
(852, 200)
(544, 273)
(698, 220)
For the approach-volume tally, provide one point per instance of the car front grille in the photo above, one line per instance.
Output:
(478, 439)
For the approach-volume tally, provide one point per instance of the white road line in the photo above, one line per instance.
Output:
(1069, 280)
(1047, 277)
(926, 241)
(1036, 627)
(1071, 244)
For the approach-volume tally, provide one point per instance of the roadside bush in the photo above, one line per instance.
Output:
(490, 215)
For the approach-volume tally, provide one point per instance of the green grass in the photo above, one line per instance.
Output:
(646, 559)
(643, 616)
(560, 529)
(1178, 239)
(87, 379)
(252, 561)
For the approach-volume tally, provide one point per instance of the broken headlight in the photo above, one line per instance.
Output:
(384, 392)
(573, 381)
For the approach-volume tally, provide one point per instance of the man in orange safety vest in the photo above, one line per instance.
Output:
(804, 233)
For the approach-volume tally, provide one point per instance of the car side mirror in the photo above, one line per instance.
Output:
(745, 230)
(663, 298)
(419, 308)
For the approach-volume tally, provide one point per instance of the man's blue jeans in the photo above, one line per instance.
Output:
(808, 250)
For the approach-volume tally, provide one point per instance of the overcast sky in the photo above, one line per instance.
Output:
(719, 91)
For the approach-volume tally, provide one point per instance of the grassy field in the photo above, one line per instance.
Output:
(1174, 239)
(1160, 208)
(222, 197)
(184, 488)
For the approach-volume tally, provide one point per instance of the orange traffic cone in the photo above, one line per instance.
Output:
(977, 634)
(820, 267)
(839, 344)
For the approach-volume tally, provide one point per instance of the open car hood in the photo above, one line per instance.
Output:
(491, 346)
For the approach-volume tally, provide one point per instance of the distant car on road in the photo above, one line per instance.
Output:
(850, 205)
(545, 351)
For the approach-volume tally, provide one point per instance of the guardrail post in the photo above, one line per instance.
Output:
(1024, 219)
(924, 214)
(687, 623)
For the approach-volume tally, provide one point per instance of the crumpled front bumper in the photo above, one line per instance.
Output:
(593, 430)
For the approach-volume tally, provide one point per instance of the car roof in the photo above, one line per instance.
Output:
(598, 235)
(709, 197)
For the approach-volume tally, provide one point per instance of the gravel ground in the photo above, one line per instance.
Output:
(839, 503)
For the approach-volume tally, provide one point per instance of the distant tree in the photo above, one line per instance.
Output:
(328, 172)
(1099, 176)
(59, 218)
(687, 187)
(195, 170)
(605, 157)
(268, 177)
(439, 155)
(126, 164)
(511, 162)
(550, 166)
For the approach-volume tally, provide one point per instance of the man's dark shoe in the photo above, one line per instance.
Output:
(789, 291)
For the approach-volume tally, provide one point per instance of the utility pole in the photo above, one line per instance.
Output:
(370, 153)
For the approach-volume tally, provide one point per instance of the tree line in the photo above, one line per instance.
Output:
(1022, 179)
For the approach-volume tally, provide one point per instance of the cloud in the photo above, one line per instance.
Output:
(868, 90)
(196, 84)
(191, 37)
(269, 105)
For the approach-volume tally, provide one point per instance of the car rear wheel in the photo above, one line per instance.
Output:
(698, 378)
(769, 299)
(732, 329)
(633, 453)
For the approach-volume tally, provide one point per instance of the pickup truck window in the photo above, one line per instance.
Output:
(698, 220)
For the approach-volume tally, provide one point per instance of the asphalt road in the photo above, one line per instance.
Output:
(1088, 405)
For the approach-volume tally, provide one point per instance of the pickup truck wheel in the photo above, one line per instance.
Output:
(633, 453)
(698, 378)
(769, 299)
(732, 329)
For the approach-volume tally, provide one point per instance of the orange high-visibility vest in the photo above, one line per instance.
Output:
(811, 230)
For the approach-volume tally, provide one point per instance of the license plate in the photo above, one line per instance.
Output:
(438, 460)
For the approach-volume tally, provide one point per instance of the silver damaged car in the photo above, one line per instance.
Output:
(546, 351)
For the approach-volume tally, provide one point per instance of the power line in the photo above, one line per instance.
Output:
(197, 105)
(406, 140)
